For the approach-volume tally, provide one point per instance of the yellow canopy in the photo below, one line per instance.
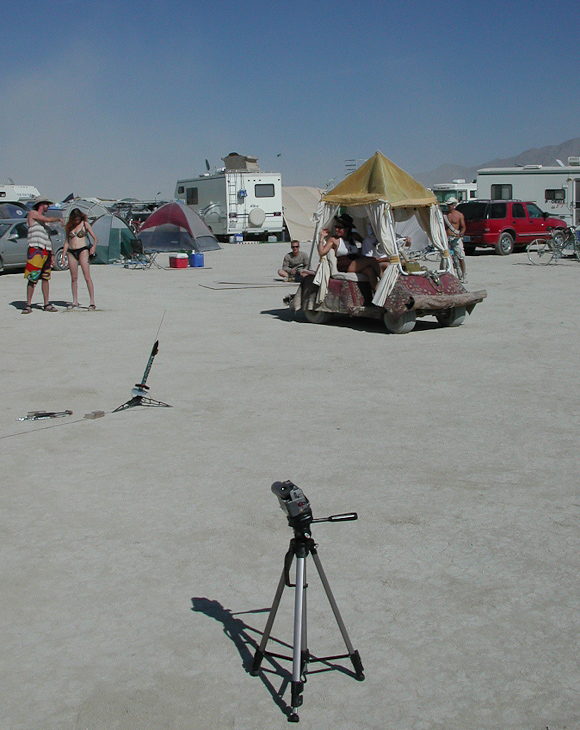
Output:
(380, 179)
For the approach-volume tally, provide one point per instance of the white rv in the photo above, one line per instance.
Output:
(555, 189)
(237, 200)
(459, 189)
(17, 193)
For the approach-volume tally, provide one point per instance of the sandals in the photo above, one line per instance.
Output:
(26, 310)
(92, 308)
(50, 308)
(71, 306)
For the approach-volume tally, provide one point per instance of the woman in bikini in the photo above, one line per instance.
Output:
(78, 230)
(347, 256)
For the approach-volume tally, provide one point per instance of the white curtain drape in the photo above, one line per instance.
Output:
(383, 225)
(323, 217)
(438, 235)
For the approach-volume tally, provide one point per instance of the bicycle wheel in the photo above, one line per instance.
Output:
(434, 255)
(540, 252)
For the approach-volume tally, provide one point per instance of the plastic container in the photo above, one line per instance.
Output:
(178, 261)
(196, 260)
(239, 238)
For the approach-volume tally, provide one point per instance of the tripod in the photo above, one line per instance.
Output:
(302, 545)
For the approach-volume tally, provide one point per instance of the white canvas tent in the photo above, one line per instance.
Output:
(376, 195)
(300, 204)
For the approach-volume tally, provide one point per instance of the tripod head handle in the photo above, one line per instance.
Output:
(345, 517)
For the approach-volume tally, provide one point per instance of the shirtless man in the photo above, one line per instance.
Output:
(455, 228)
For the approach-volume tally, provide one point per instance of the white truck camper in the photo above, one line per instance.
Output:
(17, 193)
(237, 201)
(555, 189)
(459, 189)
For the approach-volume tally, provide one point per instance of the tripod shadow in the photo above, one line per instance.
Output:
(241, 635)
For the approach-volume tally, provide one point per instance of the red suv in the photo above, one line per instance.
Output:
(504, 224)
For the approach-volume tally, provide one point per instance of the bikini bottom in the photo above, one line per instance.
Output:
(76, 252)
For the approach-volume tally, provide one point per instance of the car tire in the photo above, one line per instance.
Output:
(469, 250)
(505, 244)
(452, 317)
(1, 265)
(559, 238)
(60, 261)
(317, 317)
(401, 326)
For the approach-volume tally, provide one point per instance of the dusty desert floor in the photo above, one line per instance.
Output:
(140, 552)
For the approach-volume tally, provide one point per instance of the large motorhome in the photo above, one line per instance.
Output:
(17, 193)
(238, 200)
(555, 189)
(459, 189)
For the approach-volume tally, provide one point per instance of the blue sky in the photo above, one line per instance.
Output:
(117, 99)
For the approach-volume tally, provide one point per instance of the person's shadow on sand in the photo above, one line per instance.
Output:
(21, 304)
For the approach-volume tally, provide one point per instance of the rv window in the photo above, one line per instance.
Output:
(501, 192)
(264, 190)
(497, 210)
(180, 190)
(473, 193)
(534, 211)
(518, 210)
(191, 196)
(556, 195)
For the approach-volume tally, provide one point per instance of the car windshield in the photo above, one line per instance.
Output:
(472, 211)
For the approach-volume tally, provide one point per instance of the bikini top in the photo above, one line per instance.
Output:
(79, 234)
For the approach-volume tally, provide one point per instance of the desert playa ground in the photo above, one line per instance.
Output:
(140, 552)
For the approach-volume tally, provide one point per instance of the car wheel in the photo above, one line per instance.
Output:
(400, 326)
(1, 265)
(452, 317)
(60, 261)
(317, 317)
(505, 244)
(469, 250)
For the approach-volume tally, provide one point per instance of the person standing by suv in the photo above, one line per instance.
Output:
(455, 228)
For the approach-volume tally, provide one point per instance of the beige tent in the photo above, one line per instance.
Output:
(379, 194)
(300, 204)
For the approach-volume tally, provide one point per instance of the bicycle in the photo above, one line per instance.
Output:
(434, 255)
(542, 251)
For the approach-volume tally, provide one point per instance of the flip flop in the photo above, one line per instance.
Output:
(50, 308)
(72, 306)
(26, 310)
(92, 308)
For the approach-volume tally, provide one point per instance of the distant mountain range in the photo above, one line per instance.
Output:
(542, 156)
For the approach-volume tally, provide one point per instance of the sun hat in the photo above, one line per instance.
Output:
(41, 199)
(452, 201)
(345, 219)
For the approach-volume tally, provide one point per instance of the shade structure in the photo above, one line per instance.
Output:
(176, 227)
(115, 239)
(300, 204)
(380, 179)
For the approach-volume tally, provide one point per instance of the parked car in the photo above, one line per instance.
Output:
(504, 224)
(14, 245)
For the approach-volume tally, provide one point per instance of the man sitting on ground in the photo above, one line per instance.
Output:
(295, 264)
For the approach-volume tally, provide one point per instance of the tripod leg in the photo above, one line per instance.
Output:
(353, 654)
(297, 685)
(269, 623)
